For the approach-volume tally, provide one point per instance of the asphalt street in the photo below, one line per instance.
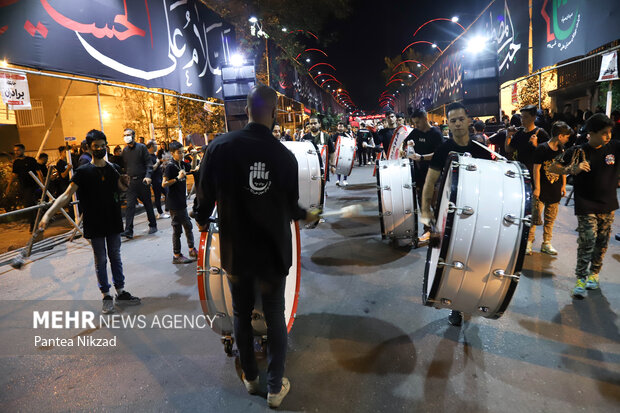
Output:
(362, 340)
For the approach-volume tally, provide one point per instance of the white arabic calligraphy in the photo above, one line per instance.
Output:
(504, 35)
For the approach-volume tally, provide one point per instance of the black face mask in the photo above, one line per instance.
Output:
(99, 153)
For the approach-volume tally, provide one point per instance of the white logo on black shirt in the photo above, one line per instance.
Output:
(259, 178)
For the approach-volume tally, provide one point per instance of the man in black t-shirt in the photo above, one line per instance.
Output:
(320, 139)
(524, 141)
(385, 135)
(27, 187)
(174, 180)
(548, 187)
(365, 144)
(98, 185)
(426, 139)
(62, 168)
(458, 122)
(595, 168)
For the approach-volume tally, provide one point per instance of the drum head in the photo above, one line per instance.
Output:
(214, 290)
(398, 137)
(397, 200)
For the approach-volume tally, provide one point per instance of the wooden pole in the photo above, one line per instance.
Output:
(99, 107)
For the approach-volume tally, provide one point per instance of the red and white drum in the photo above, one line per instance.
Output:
(345, 155)
(214, 291)
(397, 199)
(311, 183)
(483, 215)
(398, 137)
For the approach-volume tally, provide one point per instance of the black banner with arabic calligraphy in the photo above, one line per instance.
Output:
(507, 22)
(569, 28)
(178, 45)
(441, 84)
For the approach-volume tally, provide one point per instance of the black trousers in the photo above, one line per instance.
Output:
(361, 156)
(272, 295)
(180, 221)
(138, 190)
(157, 191)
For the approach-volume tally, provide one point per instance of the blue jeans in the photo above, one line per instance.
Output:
(114, 254)
(272, 295)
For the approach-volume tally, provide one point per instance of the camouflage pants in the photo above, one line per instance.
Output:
(550, 214)
(594, 231)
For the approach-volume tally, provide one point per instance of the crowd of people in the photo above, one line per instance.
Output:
(551, 149)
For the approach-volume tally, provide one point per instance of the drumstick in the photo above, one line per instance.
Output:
(497, 155)
(346, 212)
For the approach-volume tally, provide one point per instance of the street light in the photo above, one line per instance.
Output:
(308, 60)
(284, 29)
(237, 59)
(253, 19)
(455, 19)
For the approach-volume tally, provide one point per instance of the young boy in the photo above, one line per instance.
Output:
(594, 166)
(549, 188)
(174, 180)
(98, 185)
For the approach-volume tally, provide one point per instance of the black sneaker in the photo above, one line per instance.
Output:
(181, 259)
(108, 305)
(455, 318)
(125, 298)
(152, 230)
(127, 234)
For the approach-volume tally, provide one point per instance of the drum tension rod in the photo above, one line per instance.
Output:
(512, 219)
(457, 265)
(513, 174)
(468, 166)
(215, 270)
(502, 274)
(466, 210)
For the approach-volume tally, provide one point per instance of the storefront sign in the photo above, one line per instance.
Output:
(14, 89)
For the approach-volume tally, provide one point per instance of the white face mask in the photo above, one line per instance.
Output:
(128, 139)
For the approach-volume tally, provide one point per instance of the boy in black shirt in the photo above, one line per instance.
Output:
(549, 187)
(594, 166)
(524, 141)
(98, 185)
(174, 180)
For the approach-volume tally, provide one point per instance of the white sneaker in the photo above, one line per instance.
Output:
(251, 386)
(344, 183)
(274, 400)
(165, 215)
(337, 183)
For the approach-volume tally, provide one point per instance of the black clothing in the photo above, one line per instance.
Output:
(254, 179)
(84, 159)
(21, 167)
(137, 161)
(99, 199)
(321, 139)
(180, 222)
(384, 137)
(595, 191)
(525, 150)
(550, 183)
(177, 192)
(441, 154)
(364, 136)
(157, 173)
(118, 159)
(499, 140)
(138, 190)
(43, 169)
(424, 144)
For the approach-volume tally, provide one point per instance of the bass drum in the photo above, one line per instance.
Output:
(397, 199)
(398, 137)
(214, 291)
(311, 182)
(483, 214)
(345, 155)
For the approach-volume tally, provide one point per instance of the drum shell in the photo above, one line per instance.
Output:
(345, 155)
(214, 290)
(483, 241)
(397, 199)
(310, 174)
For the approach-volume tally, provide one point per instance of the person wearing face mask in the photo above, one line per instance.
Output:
(139, 167)
(98, 185)
(253, 180)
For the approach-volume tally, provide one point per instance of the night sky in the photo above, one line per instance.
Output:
(377, 29)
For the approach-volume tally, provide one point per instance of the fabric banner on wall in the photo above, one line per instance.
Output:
(563, 29)
(177, 45)
(441, 84)
(507, 22)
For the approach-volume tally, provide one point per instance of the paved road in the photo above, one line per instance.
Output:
(362, 341)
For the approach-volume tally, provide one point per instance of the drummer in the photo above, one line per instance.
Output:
(253, 180)
(320, 139)
(340, 133)
(458, 122)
